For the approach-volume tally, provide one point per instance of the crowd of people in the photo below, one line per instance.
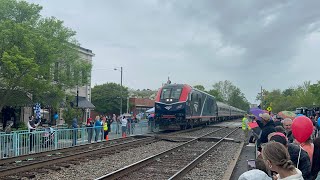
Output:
(286, 149)
(102, 125)
(97, 129)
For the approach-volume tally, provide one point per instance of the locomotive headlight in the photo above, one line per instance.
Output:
(179, 107)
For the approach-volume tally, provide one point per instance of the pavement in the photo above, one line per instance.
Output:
(248, 152)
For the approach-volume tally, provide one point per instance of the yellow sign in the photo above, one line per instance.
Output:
(269, 109)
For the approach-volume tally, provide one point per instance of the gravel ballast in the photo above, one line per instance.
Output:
(106, 164)
(197, 133)
(216, 164)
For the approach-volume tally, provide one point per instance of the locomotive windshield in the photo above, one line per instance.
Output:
(171, 93)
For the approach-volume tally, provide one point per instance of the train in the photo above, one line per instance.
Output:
(180, 106)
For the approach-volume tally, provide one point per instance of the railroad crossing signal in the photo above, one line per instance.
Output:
(269, 109)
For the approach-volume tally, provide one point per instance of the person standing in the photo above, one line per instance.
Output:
(297, 155)
(75, 131)
(117, 120)
(7, 140)
(97, 127)
(315, 171)
(267, 127)
(245, 127)
(287, 123)
(32, 127)
(110, 121)
(89, 129)
(105, 129)
(277, 159)
(124, 122)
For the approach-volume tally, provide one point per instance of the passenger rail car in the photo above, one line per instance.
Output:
(178, 106)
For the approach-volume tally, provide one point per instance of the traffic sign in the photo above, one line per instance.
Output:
(269, 109)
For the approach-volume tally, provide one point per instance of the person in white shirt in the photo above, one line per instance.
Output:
(124, 122)
(31, 127)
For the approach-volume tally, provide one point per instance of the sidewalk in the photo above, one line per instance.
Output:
(248, 152)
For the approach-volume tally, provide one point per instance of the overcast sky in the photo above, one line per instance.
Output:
(273, 43)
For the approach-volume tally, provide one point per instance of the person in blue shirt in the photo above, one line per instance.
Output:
(75, 134)
(97, 127)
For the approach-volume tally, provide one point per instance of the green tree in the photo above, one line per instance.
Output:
(199, 87)
(38, 56)
(304, 95)
(70, 112)
(230, 94)
(237, 99)
(106, 98)
(216, 94)
(225, 88)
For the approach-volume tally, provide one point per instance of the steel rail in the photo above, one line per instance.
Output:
(130, 168)
(78, 147)
(196, 161)
(35, 165)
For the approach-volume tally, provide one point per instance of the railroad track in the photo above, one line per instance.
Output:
(46, 160)
(173, 163)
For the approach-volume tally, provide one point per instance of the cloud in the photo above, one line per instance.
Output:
(249, 42)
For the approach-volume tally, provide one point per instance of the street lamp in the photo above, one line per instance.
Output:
(120, 69)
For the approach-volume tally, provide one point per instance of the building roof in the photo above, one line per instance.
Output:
(84, 103)
(86, 51)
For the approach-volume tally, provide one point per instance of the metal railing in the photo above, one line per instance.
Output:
(19, 143)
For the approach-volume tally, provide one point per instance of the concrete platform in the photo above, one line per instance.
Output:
(248, 152)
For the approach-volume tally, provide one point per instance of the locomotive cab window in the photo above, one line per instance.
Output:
(175, 94)
(171, 93)
(165, 94)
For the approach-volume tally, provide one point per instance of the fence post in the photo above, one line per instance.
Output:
(15, 144)
(56, 139)
(82, 134)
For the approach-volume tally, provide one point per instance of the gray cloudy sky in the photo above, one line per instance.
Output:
(273, 43)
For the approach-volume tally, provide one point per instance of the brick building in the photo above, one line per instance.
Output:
(140, 105)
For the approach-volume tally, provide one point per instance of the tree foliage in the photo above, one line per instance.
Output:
(70, 112)
(231, 94)
(106, 98)
(225, 91)
(305, 95)
(199, 87)
(144, 93)
(38, 55)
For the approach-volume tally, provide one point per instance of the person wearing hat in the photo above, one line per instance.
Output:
(267, 126)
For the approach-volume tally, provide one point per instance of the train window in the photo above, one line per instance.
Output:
(165, 94)
(194, 97)
(175, 94)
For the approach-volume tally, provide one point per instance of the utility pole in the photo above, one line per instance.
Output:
(77, 95)
(121, 92)
(261, 103)
(121, 70)
(128, 105)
